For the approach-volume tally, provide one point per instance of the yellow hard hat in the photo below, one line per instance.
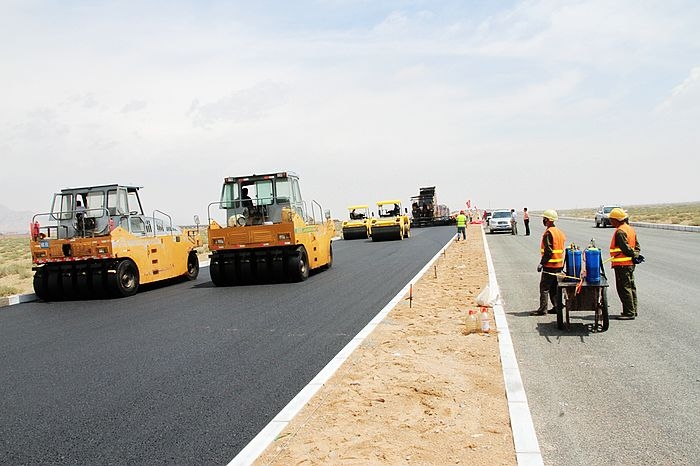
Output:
(618, 214)
(550, 214)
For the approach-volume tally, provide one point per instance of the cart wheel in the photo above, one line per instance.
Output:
(560, 309)
(603, 306)
(560, 318)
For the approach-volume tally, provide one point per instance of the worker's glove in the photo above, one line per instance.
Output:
(539, 268)
(638, 259)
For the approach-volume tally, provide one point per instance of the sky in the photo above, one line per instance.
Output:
(507, 104)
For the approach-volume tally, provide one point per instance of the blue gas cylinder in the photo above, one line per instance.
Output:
(573, 263)
(593, 265)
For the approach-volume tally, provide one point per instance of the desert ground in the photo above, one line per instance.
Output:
(419, 390)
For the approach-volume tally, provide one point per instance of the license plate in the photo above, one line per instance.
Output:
(44, 244)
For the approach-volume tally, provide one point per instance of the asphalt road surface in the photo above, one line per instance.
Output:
(187, 373)
(630, 395)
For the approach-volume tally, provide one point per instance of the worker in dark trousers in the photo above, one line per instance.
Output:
(552, 262)
(526, 221)
(461, 225)
(624, 254)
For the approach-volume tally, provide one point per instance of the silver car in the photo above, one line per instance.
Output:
(602, 216)
(500, 221)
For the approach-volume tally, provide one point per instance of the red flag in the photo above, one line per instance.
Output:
(469, 203)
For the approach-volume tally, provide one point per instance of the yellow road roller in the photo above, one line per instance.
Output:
(96, 242)
(269, 233)
(391, 223)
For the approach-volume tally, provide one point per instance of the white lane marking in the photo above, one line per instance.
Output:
(527, 448)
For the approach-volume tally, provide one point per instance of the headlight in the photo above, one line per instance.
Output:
(218, 241)
(284, 237)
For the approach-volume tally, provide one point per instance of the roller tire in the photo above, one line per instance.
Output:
(40, 285)
(230, 274)
(53, 285)
(329, 264)
(298, 266)
(192, 266)
(98, 279)
(246, 268)
(83, 284)
(125, 282)
(69, 285)
(215, 272)
(277, 268)
(262, 267)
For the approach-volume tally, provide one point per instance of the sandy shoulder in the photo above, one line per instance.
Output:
(417, 390)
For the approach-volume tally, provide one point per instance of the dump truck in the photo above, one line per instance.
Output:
(425, 211)
(391, 222)
(269, 233)
(356, 225)
(96, 242)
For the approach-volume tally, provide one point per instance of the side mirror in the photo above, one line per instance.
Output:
(196, 220)
(328, 214)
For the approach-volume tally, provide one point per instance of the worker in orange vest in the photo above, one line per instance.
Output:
(552, 262)
(624, 255)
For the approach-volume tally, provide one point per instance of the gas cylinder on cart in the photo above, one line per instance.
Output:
(593, 264)
(573, 262)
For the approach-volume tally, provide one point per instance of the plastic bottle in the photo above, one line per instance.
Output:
(485, 323)
(472, 322)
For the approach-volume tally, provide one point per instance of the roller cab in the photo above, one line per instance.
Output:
(356, 225)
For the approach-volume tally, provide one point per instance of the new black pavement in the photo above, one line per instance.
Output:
(186, 373)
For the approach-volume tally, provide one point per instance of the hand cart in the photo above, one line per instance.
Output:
(590, 297)
(579, 295)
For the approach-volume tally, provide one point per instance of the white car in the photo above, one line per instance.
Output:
(602, 216)
(500, 221)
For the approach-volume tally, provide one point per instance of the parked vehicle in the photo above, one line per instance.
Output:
(602, 216)
(500, 221)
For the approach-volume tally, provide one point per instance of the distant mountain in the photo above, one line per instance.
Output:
(14, 222)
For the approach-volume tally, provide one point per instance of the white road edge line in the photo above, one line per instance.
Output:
(270, 432)
(527, 448)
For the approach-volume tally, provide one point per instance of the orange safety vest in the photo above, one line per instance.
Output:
(619, 258)
(558, 240)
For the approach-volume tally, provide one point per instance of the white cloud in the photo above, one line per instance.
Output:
(686, 95)
(247, 104)
(134, 106)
